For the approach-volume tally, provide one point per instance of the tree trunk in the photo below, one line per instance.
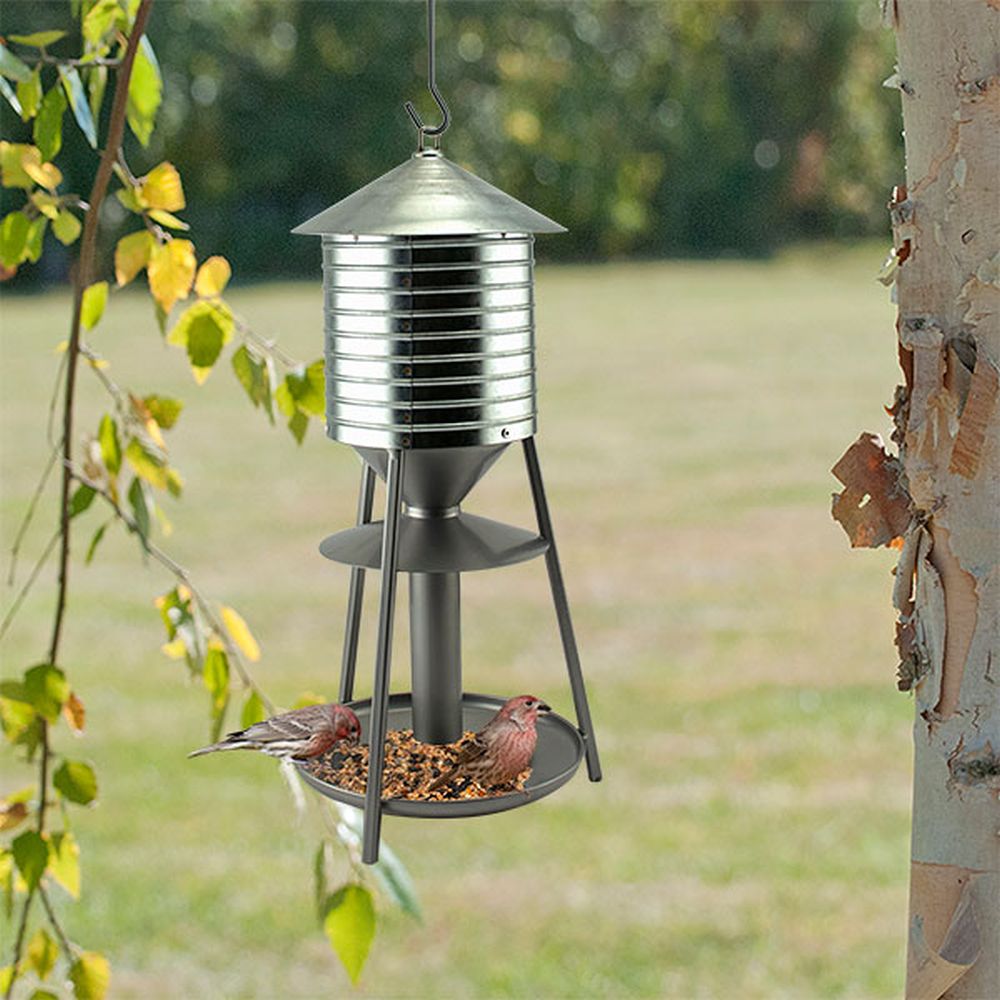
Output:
(945, 486)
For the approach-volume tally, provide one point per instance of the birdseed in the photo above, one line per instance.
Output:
(410, 766)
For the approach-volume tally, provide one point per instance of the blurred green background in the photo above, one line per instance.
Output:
(750, 837)
(647, 128)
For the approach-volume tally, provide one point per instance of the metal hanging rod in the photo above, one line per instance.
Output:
(435, 131)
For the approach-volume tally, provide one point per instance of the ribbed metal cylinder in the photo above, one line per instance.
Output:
(429, 340)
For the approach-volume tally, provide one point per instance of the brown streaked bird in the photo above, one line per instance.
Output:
(295, 735)
(502, 749)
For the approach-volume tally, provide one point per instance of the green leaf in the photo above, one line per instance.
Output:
(95, 298)
(94, 542)
(90, 975)
(215, 672)
(163, 410)
(308, 388)
(203, 329)
(46, 690)
(31, 855)
(38, 40)
(12, 164)
(78, 102)
(349, 923)
(97, 81)
(76, 781)
(12, 67)
(29, 93)
(253, 710)
(42, 953)
(43, 995)
(66, 227)
(319, 878)
(140, 510)
(145, 92)
(35, 238)
(17, 717)
(100, 19)
(254, 375)
(298, 425)
(111, 449)
(64, 862)
(8, 91)
(82, 498)
(13, 238)
(47, 130)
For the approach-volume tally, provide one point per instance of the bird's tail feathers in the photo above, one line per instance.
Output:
(234, 742)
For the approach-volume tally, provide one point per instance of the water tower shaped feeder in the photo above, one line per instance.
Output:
(430, 375)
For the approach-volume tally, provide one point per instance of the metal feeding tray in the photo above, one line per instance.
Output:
(560, 750)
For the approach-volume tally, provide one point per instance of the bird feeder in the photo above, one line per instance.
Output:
(430, 376)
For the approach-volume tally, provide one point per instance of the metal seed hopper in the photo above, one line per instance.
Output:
(430, 375)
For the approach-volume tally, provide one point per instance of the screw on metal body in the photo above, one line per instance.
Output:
(562, 610)
(356, 593)
(434, 131)
(383, 657)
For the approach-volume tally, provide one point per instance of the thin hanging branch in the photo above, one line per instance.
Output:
(85, 269)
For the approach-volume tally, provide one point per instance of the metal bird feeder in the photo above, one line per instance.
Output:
(430, 375)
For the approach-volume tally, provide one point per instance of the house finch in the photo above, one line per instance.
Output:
(300, 733)
(502, 749)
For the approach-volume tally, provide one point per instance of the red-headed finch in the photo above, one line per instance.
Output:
(502, 749)
(298, 734)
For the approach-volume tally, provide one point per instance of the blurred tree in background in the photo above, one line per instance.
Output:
(664, 127)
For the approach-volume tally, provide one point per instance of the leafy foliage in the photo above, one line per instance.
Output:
(124, 466)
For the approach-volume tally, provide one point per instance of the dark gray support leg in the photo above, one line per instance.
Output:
(436, 656)
(379, 718)
(356, 593)
(562, 610)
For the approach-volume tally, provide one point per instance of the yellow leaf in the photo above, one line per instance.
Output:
(213, 276)
(46, 174)
(47, 204)
(171, 272)
(175, 649)
(167, 219)
(161, 188)
(132, 255)
(74, 713)
(64, 862)
(95, 298)
(309, 698)
(241, 634)
(90, 975)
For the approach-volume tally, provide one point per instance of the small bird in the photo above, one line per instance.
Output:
(502, 749)
(296, 735)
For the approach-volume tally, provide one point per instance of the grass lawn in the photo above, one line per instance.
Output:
(750, 837)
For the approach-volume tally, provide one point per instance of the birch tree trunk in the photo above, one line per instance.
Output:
(939, 501)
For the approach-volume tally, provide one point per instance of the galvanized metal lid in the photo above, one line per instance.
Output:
(428, 195)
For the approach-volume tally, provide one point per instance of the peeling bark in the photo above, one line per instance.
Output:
(945, 269)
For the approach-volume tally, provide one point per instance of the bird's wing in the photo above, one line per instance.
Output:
(473, 750)
(299, 724)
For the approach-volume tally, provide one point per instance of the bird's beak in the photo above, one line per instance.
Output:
(543, 708)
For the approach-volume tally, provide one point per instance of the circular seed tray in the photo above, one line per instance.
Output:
(559, 751)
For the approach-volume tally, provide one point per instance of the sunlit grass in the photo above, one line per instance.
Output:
(750, 836)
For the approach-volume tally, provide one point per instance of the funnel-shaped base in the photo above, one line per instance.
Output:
(457, 544)
(559, 751)
(437, 479)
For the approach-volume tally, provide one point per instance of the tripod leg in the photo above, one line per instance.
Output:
(356, 593)
(379, 717)
(562, 610)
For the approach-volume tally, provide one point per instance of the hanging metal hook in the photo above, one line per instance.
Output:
(432, 130)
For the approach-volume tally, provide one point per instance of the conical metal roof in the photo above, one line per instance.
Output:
(428, 195)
